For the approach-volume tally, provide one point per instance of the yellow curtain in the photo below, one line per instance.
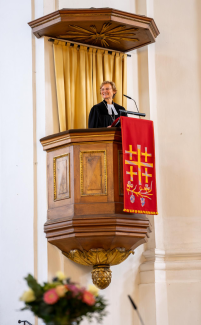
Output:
(89, 83)
(124, 85)
(79, 71)
(109, 66)
(59, 73)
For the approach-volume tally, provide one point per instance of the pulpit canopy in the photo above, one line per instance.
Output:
(102, 27)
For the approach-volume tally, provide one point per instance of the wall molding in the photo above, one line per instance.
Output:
(170, 266)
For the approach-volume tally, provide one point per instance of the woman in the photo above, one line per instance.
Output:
(104, 113)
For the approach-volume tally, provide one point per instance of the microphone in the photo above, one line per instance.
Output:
(133, 100)
(127, 96)
(135, 307)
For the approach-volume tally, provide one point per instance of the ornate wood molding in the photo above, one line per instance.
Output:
(104, 27)
(76, 136)
(97, 231)
(85, 202)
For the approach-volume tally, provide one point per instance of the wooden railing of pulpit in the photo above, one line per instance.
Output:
(85, 217)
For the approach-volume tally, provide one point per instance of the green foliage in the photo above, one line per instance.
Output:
(32, 283)
(69, 307)
(48, 286)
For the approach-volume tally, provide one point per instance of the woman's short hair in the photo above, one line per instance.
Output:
(112, 84)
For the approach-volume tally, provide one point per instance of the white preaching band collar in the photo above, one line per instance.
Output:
(111, 108)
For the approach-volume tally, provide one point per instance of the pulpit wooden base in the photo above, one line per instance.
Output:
(85, 193)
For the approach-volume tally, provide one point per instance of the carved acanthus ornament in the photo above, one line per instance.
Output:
(101, 260)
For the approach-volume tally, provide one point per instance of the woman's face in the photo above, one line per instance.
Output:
(107, 92)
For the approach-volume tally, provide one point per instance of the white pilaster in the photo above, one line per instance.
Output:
(170, 275)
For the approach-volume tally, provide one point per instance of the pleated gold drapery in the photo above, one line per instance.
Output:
(79, 74)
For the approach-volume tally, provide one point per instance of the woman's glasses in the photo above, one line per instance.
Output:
(103, 89)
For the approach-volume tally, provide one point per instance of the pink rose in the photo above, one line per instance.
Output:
(75, 290)
(50, 297)
(88, 298)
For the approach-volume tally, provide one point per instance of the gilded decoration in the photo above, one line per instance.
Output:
(101, 260)
(99, 256)
(92, 36)
(101, 276)
(102, 172)
(65, 183)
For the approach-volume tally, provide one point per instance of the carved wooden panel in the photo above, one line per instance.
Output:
(93, 172)
(120, 172)
(103, 27)
(61, 169)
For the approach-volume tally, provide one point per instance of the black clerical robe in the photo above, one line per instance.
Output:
(99, 117)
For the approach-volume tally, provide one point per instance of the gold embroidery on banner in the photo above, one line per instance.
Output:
(114, 35)
(140, 211)
(54, 174)
(81, 172)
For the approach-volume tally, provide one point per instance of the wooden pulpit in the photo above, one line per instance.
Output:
(85, 217)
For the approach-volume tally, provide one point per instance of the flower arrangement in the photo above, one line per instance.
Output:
(62, 302)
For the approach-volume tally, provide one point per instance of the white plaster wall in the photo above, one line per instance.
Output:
(28, 103)
(178, 79)
(170, 276)
(165, 80)
(16, 156)
(126, 5)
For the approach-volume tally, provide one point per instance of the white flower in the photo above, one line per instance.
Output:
(28, 296)
(93, 289)
(60, 275)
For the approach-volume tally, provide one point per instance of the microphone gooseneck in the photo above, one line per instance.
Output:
(133, 100)
(127, 96)
(135, 307)
(132, 302)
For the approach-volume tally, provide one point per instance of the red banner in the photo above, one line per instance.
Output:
(138, 166)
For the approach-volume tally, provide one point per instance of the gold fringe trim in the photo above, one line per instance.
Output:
(139, 211)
